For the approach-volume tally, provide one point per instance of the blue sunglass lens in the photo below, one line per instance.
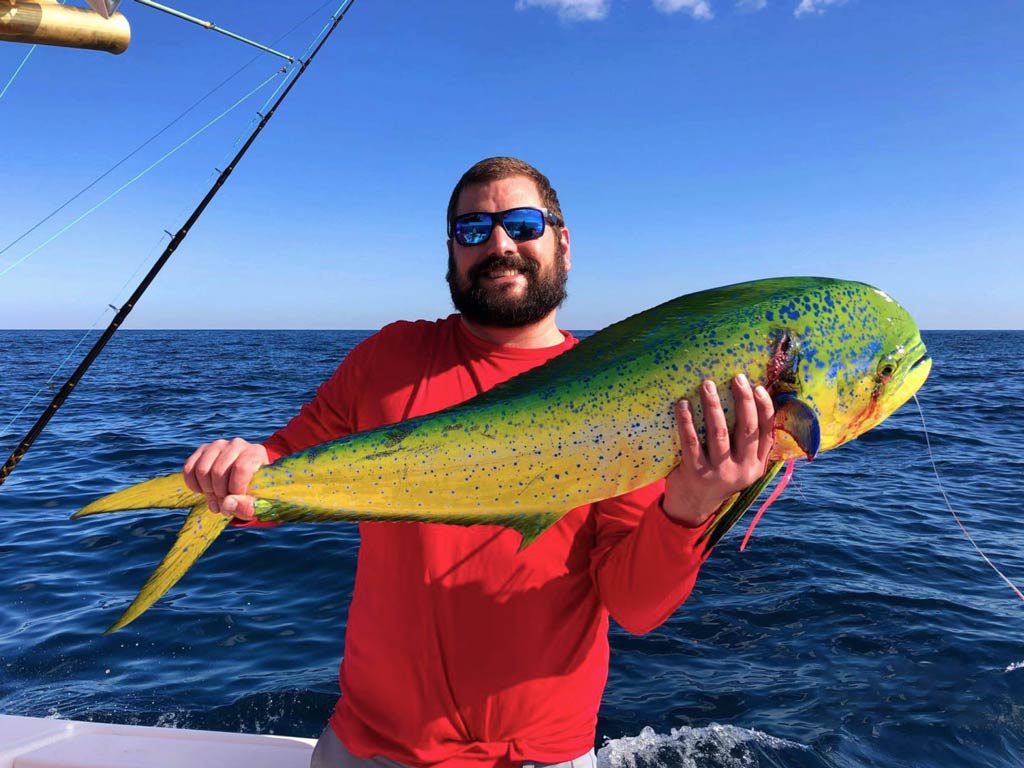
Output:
(524, 224)
(473, 229)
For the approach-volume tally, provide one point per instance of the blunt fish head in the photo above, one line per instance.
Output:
(854, 362)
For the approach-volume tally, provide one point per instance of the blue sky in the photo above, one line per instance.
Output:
(693, 143)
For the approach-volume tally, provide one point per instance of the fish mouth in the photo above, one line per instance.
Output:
(917, 352)
(916, 374)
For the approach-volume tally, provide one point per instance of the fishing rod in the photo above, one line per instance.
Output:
(69, 385)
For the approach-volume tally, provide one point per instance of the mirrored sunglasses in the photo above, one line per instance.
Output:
(521, 224)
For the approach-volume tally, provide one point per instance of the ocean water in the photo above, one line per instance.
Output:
(859, 628)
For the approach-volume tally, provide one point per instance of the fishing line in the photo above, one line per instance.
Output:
(112, 306)
(17, 71)
(182, 233)
(50, 380)
(127, 157)
(134, 179)
(942, 490)
(163, 130)
(271, 97)
(259, 113)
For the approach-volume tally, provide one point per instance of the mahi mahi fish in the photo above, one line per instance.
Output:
(595, 422)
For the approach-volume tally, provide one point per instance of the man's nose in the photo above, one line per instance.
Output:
(499, 241)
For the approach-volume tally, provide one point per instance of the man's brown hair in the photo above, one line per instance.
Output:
(495, 168)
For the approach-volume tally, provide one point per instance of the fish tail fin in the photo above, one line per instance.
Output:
(167, 492)
(201, 527)
(736, 507)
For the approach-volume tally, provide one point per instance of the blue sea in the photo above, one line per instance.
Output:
(860, 628)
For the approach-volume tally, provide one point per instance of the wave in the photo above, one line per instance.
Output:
(714, 746)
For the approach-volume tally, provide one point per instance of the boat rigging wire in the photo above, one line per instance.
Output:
(138, 176)
(65, 391)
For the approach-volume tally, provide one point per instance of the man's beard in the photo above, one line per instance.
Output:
(495, 307)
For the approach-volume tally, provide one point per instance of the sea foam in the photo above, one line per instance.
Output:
(718, 745)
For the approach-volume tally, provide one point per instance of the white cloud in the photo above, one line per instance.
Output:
(815, 6)
(571, 10)
(699, 9)
(596, 10)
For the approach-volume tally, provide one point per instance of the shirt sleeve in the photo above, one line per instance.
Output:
(330, 414)
(644, 563)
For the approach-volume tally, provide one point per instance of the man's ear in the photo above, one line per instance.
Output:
(563, 235)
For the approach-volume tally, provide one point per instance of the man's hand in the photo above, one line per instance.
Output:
(705, 478)
(222, 470)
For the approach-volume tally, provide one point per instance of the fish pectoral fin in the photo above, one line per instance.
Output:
(201, 527)
(733, 509)
(797, 419)
(530, 526)
(167, 492)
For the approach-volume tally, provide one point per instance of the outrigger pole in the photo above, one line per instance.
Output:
(210, 25)
(182, 233)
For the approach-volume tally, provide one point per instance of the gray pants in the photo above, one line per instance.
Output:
(331, 753)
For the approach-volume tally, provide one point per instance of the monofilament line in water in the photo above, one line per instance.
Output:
(949, 506)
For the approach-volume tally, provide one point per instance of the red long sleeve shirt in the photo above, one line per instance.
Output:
(461, 651)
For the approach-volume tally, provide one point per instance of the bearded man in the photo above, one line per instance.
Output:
(460, 651)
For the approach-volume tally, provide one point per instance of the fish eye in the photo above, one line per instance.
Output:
(886, 368)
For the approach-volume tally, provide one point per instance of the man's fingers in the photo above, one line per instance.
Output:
(692, 454)
(745, 430)
(222, 469)
(203, 466)
(765, 422)
(715, 427)
(240, 474)
(240, 506)
(189, 470)
(244, 467)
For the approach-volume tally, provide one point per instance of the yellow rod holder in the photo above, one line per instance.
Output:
(47, 23)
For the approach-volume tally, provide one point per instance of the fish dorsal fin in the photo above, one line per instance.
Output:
(736, 507)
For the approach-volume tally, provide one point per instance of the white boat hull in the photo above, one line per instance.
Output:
(30, 742)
